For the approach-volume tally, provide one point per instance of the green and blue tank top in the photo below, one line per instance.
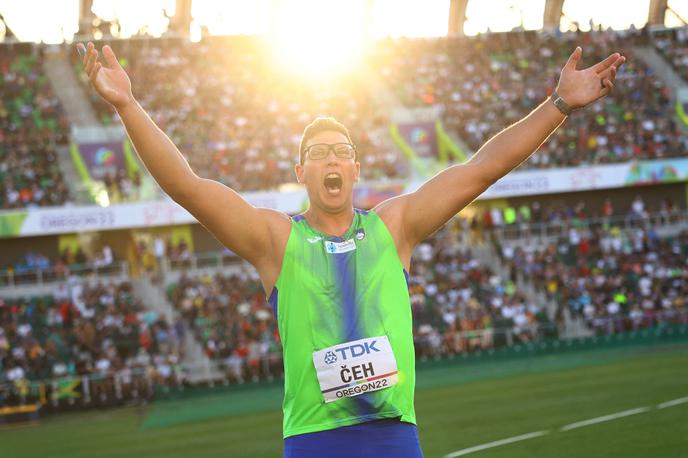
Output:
(334, 290)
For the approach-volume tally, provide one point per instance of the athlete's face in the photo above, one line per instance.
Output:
(329, 181)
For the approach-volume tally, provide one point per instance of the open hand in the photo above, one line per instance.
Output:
(112, 83)
(579, 88)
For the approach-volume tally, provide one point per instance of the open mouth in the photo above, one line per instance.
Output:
(333, 183)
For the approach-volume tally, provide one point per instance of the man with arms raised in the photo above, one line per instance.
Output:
(335, 275)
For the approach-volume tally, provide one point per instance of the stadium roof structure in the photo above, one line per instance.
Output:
(373, 18)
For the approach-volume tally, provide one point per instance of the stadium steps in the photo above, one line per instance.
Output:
(78, 110)
(195, 361)
(153, 298)
(574, 327)
(663, 71)
(67, 88)
(487, 255)
(77, 188)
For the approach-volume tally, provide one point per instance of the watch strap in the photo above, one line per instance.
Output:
(564, 107)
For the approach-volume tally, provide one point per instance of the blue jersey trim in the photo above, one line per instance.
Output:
(273, 301)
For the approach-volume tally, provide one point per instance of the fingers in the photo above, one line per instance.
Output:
(83, 52)
(574, 58)
(606, 63)
(94, 73)
(609, 73)
(91, 60)
(110, 57)
(619, 62)
(608, 87)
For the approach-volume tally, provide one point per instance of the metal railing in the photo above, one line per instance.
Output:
(560, 228)
(23, 277)
(211, 259)
(606, 325)
(70, 392)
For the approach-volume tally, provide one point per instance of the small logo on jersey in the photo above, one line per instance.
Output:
(314, 239)
(339, 247)
(360, 234)
(330, 358)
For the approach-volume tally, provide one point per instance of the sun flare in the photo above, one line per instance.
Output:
(318, 38)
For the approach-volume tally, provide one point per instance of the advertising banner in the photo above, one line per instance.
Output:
(64, 220)
(421, 137)
(103, 159)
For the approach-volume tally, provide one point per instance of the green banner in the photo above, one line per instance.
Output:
(681, 112)
(11, 223)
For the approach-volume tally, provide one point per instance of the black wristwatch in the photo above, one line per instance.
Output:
(564, 107)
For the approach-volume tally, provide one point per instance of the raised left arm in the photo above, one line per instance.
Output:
(444, 195)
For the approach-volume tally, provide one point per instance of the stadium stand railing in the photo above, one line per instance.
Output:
(10, 278)
(662, 222)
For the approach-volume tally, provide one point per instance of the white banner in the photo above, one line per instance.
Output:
(68, 219)
(62, 220)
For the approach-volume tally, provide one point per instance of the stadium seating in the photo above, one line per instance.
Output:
(460, 305)
(236, 118)
(84, 328)
(486, 83)
(242, 127)
(615, 280)
(230, 316)
(32, 125)
(673, 44)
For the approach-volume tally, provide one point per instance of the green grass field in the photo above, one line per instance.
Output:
(459, 405)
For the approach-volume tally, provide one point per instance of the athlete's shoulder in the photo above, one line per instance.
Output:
(278, 222)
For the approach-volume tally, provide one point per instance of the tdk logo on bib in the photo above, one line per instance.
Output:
(330, 358)
(355, 350)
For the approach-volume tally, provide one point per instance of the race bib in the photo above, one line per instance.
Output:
(355, 367)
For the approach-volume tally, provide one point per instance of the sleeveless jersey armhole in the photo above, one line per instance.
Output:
(389, 234)
(274, 294)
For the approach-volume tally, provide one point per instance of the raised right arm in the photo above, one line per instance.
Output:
(252, 233)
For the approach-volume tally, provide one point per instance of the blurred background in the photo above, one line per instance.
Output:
(550, 315)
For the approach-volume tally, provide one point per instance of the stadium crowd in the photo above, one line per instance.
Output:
(231, 318)
(486, 83)
(460, 305)
(533, 216)
(32, 125)
(242, 127)
(615, 280)
(673, 44)
(85, 328)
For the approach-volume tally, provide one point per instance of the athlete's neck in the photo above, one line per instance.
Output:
(333, 224)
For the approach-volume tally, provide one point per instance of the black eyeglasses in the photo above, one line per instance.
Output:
(322, 150)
